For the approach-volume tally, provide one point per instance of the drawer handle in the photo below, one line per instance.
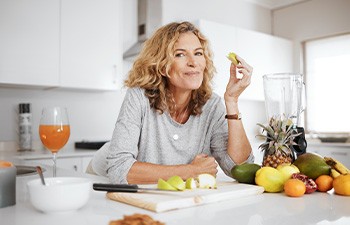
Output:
(339, 153)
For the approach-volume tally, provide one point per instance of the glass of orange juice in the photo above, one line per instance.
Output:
(54, 130)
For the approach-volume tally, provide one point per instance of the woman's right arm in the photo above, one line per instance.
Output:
(144, 173)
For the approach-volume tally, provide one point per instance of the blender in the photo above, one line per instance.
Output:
(284, 98)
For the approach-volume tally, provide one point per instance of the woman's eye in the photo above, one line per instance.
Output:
(179, 55)
(199, 53)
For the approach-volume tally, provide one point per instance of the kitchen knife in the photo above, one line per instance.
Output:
(122, 188)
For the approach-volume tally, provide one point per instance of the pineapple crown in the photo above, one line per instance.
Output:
(279, 136)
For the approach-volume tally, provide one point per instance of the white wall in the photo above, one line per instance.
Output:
(92, 115)
(311, 20)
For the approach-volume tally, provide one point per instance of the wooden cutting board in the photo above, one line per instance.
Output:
(164, 201)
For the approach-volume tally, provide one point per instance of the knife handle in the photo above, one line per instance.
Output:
(115, 187)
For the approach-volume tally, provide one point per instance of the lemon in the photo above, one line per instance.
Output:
(270, 178)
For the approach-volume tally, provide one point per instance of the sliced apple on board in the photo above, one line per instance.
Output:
(177, 182)
(191, 183)
(163, 185)
(206, 181)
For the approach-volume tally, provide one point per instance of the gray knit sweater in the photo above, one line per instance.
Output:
(142, 134)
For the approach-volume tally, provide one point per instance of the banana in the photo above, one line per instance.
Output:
(334, 173)
(338, 166)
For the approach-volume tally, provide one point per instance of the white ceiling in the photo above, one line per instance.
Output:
(275, 4)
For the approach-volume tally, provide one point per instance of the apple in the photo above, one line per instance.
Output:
(206, 181)
(163, 185)
(191, 183)
(177, 182)
(287, 170)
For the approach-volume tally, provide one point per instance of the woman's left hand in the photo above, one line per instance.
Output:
(236, 86)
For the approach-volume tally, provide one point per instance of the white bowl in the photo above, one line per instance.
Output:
(60, 193)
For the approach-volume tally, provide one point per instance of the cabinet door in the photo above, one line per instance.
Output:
(222, 40)
(266, 54)
(73, 163)
(91, 51)
(29, 42)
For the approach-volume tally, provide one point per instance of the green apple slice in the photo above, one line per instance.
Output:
(232, 57)
(206, 181)
(191, 183)
(163, 185)
(177, 182)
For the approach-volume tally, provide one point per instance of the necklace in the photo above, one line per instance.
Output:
(183, 114)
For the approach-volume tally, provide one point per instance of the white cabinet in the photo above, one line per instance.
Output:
(78, 164)
(341, 153)
(65, 43)
(265, 53)
(29, 42)
(90, 44)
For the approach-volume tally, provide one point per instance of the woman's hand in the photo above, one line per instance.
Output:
(203, 163)
(236, 86)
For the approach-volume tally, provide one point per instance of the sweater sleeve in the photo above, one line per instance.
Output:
(123, 149)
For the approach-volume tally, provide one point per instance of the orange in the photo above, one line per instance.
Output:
(341, 185)
(324, 183)
(294, 188)
(4, 164)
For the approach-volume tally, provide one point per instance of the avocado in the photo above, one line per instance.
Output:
(245, 173)
(312, 165)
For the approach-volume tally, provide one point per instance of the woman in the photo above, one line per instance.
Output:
(170, 122)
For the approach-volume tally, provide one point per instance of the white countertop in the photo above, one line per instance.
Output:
(276, 208)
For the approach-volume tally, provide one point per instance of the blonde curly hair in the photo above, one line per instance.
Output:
(151, 68)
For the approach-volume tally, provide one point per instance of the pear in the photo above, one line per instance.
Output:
(163, 185)
(206, 181)
(191, 183)
(177, 182)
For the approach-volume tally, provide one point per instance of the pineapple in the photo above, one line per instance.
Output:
(279, 139)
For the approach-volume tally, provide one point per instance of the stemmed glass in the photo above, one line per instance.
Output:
(54, 130)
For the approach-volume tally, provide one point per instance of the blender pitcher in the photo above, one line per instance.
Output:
(284, 98)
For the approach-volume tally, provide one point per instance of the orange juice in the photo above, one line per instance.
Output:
(54, 137)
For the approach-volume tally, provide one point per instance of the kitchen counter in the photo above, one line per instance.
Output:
(267, 208)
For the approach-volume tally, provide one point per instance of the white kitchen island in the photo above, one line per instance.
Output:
(276, 208)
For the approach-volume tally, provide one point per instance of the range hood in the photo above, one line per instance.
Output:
(149, 13)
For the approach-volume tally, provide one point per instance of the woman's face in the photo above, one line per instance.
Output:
(186, 72)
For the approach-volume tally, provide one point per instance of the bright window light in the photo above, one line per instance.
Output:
(327, 79)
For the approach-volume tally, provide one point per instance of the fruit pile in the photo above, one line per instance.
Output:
(175, 183)
(308, 173)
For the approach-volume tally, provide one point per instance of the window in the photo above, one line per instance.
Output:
(327, 78)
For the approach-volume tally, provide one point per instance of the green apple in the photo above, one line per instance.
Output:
(232, 57)
(177, 182)
(191, 183)
(287, 170)
(206, 181)
(163, 185)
